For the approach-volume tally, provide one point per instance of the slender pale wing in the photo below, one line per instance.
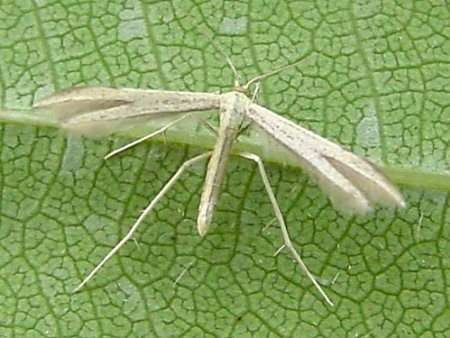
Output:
(352, 182)
(94, 110)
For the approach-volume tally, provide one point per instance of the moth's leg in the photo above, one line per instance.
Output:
(244, 129)
(144, 214)
(247, 124)
(210, 128)
(256, 92)
(287, 241)
(146, 137)
(183, 272)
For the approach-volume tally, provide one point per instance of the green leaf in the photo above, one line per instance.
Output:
(378, 84)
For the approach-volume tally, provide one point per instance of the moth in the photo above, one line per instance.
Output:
(351, 182)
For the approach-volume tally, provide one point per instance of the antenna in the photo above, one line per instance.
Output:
(218, 48)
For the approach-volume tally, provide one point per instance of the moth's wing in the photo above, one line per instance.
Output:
(93, 110)
(352, 182)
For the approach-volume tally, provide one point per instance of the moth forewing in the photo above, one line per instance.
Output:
(351, 182)
(369, 179)
(99, 110)
(86, 99)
